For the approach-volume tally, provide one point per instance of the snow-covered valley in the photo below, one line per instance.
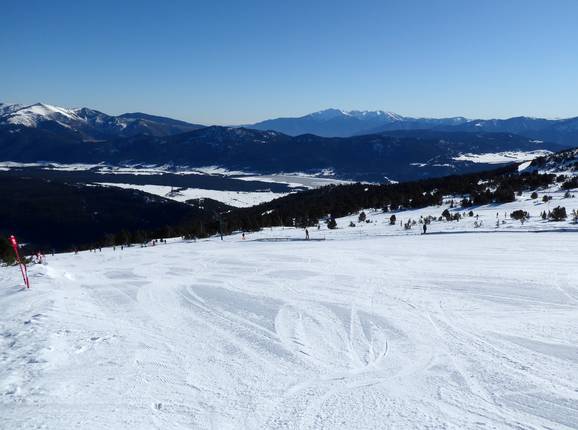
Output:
(233, 188)
(365, 327)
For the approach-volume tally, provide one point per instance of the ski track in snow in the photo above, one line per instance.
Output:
(401, 332)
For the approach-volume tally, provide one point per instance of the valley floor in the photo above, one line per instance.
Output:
(408, 331)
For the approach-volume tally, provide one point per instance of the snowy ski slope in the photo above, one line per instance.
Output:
(374, 327)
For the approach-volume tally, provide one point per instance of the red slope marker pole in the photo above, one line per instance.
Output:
(20, 262)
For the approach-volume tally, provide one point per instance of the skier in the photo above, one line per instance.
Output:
(424, 228)
(306, 234)
(243, 237)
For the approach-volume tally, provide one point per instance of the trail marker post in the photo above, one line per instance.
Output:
(20, 262)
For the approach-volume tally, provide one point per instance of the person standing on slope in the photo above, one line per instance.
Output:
(424, 228)
(306, 234)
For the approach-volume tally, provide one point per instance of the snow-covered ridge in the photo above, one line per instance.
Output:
(90, 123)
(8, 108)
(331, 113)
(564, 162)
(33, 115)
(384, 116)
(30, 116)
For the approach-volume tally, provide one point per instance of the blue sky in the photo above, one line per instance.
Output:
(234, 62)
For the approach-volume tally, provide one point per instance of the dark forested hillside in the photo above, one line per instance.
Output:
(57, 215)
(400, 156)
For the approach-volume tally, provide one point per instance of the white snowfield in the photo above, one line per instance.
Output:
(503, 157)
(240, 199)
(373, 328)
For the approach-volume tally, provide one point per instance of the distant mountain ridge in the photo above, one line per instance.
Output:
(561, 131)
(91, 124)
(339, 123)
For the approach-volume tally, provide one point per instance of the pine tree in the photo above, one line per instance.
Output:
(519, 215)
(447, 215)
(558, 214)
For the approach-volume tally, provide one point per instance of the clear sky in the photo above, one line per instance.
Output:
(234, 62)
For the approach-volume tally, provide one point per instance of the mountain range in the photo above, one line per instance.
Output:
(91, 124)
(401, 148)
(339, 123)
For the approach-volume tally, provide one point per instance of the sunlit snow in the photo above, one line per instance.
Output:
(364, 327)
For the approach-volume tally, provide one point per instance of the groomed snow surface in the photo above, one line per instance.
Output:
(374, 327)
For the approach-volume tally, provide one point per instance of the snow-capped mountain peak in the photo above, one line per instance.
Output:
(327, 114)
(363, 115)
(32, 115)
(377, 114)
(332, 122)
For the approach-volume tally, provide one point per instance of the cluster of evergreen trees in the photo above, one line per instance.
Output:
(556, 214)
(309, 207)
